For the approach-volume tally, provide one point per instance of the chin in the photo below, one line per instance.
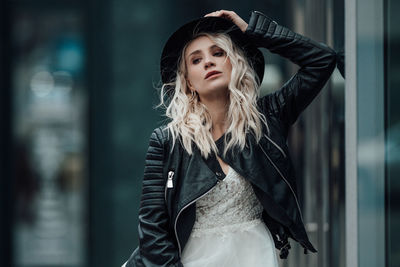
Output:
(217, 86)
(214, 90)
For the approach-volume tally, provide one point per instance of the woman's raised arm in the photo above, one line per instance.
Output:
(316, 60)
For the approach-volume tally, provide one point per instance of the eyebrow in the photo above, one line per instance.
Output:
(198, 51)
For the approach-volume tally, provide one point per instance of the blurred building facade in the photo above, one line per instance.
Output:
(76, 110)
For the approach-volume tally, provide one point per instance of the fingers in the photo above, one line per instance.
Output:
(221, 13)
(213, 14)
(230, 15)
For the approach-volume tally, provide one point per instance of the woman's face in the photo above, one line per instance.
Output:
(208, 67)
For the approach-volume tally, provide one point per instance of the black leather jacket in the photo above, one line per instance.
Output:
(174, 180)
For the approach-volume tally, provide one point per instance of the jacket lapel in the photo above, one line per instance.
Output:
(198, 178)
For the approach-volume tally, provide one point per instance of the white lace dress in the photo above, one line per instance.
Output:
(229, 231)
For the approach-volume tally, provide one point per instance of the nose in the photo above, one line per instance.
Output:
(208, 63)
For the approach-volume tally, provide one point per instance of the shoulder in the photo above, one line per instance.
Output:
(270, 109)
(270, 103)
(160, 135)
(266, 106)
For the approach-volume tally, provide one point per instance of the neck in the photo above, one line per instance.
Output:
(218, 108)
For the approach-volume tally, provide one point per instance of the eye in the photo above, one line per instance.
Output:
(196, 60)
(219, 53)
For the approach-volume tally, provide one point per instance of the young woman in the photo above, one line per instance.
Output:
(219, 186)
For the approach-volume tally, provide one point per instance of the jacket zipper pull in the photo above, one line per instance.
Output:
(169, 182)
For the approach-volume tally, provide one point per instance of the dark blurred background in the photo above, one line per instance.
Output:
(77, 104)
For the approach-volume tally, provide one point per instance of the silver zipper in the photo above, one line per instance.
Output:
(297, 202)
(187, 205)
(169, 184)
(278, 147)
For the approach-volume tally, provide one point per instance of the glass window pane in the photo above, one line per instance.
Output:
(48, 114)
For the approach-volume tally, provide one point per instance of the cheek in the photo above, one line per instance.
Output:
(193, 74)
(228, 65)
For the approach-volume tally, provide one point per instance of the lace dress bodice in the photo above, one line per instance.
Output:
(229, 207)
(229, 230)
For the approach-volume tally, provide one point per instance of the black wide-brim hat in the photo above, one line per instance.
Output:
(177, 41)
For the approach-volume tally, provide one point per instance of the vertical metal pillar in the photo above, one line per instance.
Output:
(5, 138)
(364, 113)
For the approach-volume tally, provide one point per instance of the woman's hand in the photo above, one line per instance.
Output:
(232, 16)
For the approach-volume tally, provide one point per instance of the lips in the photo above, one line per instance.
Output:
(211, 73)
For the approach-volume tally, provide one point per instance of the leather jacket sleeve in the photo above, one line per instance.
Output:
(316, 60)
(156, 246)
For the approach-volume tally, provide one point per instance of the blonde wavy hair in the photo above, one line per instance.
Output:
(190, 119)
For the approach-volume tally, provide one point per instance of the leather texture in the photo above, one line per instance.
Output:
(167, 213)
